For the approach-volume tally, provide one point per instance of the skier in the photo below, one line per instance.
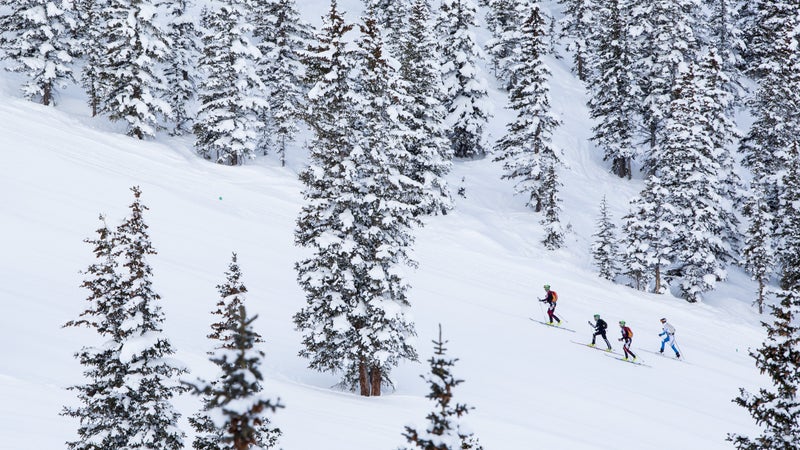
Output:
(627, 339)
(669, 337)
(600, 326)
(551, 298)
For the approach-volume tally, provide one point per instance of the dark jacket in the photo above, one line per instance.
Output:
(600, 326)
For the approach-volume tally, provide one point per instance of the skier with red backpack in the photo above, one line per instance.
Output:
(551, 298)
(627, 339)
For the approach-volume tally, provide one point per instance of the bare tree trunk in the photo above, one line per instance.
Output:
(375, 375)
(658, 279)
(47, 94)
(760, 297)
(363, 379)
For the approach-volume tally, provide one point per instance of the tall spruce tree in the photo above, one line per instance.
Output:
(777, 410)
(788, 232)
(727, 38)
(181, 68)
(648, 237)
(605, 249)
(102, 412)
(665, 37)
(580, 23)
(444, 432)
(231, 93)
(90, 44)
(526, 149)
(280, 36)
(131, 67)
(150, 380)
(235, 399)
(327, 276)
(502, 19)
(695, 207)
(428, 145)
(466, 95)
(358, 220)
(35, 36)
(224, 335)
(613, 96)
(758, 253)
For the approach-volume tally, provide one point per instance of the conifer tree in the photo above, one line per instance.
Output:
(444, 431)
(181, 68)
(90, 45)
(776, 111)
(613, 99)
(228, 126)
(695, 206)
(281, 37)
(776, 411)
(648, 253)
(359, 223)
(131, 66)
(236, 398)
(604, 248)
(553, 231)
(150, 377)
(580, 22)
(102, 412)
(758, 253)
(502, 19)
(727, 39)
(327, 277)
(526, 150)
(35, 38)
(428, 145)
(788, 232)
(466, 95)
(225, 333)
(665, 39)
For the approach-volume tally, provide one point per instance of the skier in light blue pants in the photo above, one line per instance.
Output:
(669, 337)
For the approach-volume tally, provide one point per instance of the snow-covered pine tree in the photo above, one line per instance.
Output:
(391, 15)
(235, 398)
(695, 207)
(136, 47)
(634, 247)
(359, 213)
(727, 40)
(227, 127)
(150, 379)
(102, 415)
(553, 231)
(281, 36)
(444, 430)
(604, 249)
(788, 232)
(665, 37)
(758, 251)
(224, 335)
(466, 95)
(502, 19)
(327, 276)
(35, 36)
(90, 45)
(428, 145)
(776, 108)
(526, 149)
(776, 411)
(613, 96)
(767, 24)
(181, 68)
(580, 25)
(648, 237)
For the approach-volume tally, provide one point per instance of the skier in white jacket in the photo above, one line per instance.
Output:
(669, 337)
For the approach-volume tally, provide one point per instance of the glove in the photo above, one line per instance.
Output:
(620, 339)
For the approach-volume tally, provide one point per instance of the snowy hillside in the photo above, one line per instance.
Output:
(481, 269)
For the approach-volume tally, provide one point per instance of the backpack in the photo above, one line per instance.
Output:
(555, 296)
(628, 332)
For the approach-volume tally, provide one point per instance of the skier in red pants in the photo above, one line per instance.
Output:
(551, 298)
(627, 339)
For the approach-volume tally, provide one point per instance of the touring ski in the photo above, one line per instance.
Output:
(551, 325)
(629, 361)
(602, 349)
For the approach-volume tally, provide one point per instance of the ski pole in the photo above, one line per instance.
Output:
(541, 309)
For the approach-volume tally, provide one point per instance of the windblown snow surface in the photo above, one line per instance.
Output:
(481, 269)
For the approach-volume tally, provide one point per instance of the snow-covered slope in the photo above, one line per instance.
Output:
(481, 269)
